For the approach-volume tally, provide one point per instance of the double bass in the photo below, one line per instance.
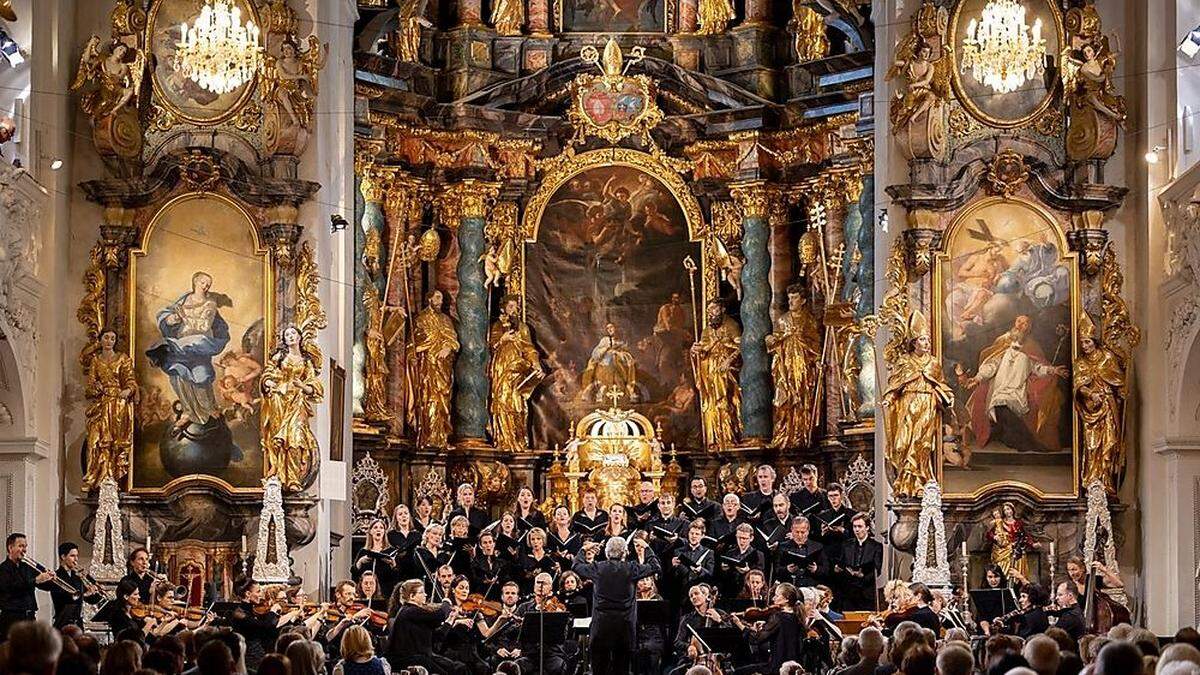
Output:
(1101, 612)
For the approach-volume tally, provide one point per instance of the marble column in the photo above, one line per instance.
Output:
(470, 12)
(539, 17)
(688, 16)
(753, 200)
(465, 207)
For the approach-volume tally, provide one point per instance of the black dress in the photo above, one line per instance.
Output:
(783, 635)
(411, 640)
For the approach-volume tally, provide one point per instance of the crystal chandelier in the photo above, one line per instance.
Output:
(999, 48)
(218, 52)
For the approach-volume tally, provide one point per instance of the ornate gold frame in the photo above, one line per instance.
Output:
(160, 98)
(956, 77)
(937, 300)
(260, 249)
(568, 165)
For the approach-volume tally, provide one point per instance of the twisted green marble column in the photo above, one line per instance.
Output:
(755, 377)
(467, 205)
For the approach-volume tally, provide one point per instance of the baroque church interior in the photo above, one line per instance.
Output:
(328, 315)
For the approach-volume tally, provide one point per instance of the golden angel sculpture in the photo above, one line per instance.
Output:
(795, 346)
(714, 358)
(917, 389)
(508, 16)
(1096, 110)
(110, 77)
(810, 41)
(1101, 388)
(431, 360)
(291, 386)
(714, 16)
(514, 371)
(292, 79)
(112, 391)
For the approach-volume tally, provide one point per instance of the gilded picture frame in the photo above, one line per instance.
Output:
(137, 341)
(967, 98)
(988, 216)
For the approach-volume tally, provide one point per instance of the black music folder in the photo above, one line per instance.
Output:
(993, 602)
(548, 628)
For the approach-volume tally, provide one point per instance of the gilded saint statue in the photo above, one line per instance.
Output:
(514, 372)
(714, 358)
(508, 16)
(1010, 541)
(917, 388)
(290, 390)
(714, 16)
(112, 391)
(431, 359)
(384, 325)
(1099, 381)
(795, 346)
(808, 25)
(611, 366)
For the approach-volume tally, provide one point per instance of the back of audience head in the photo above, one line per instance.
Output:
(214, 659)
(1070, 664)
(1064, 640)
(871, 643)
(75, 664)
(34, 648)
(1180, 652)
(274, 664)
(955, 659)
(163, 661)
(919, 660)
(122, 658)
(307, 658)
(1187, 635)
(1004, 662)
(1042, 654)
(1118, 657)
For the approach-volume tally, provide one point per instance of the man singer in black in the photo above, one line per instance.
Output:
(614, 615)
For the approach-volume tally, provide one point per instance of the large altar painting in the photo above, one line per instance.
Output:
(609, 16)
(609, 304)
(199, 305)
(1004, 295)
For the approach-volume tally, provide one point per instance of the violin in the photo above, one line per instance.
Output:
(553, 604)
(155, 612)
(376, 619)
(759, 613)
(477, 604)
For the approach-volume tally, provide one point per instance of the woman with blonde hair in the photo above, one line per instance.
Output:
(358, 655)
(306, 657)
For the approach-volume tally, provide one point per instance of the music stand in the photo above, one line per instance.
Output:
(653, 613)
(544, 629)
(992, 602)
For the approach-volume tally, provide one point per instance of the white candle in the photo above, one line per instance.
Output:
(243, 544)
(1051, 549)
(148, 549)
(964, 548)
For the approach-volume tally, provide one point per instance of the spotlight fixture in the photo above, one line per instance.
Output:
(56, 165)
(1190, 43)
(1152, 157)
(10, 50)
(337, 223)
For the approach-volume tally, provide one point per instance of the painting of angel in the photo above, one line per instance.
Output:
(1006, 322)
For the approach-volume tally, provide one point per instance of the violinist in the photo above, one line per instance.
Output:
(429, 556)
(343, 613)
(139, 573)
(411, 640)
(119, 614)
(754, 588)
(756, 504)
(476, 518)
(562, 542)
(404, 536)
(651, 638)
(457, 638)
(697, 504)
(590, 520)
(526, 513)
(443, 579)
(550, 654)
(461, 546)
(783, 631)
(501, 635)
(68, 607)
(571, 592)
(165, 609)
(537, 560)
(507, 537)
(1069, 614)
(1030, 619)
(801, 561)
(724, 525)
(296, 610)
(377, 556)
(423, 517)
(693, 563)
(666, 528)
(834, 521)
(256, 618)
(488, 570)
(922, 614)
(810, 499)
(647, 507)
(702, 615)
(739, 560)
(774, 529)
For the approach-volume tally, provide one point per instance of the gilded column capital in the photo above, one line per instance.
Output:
(753, 198)
(837, 189)
(467, 199)
(373, 185)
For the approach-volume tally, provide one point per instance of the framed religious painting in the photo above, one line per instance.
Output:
(1005, 306)
(178, 95)
(1005, 59)
(614, 16)
(200, 318)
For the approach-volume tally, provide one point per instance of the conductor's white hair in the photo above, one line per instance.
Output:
(615, 548)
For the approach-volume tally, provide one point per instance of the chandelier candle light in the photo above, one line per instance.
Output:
(1000, 49)
(218, 52)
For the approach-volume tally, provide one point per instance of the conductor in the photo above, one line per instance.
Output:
(614, 614)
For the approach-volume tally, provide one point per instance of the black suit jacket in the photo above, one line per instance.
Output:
(614, 582)
(1071, 620)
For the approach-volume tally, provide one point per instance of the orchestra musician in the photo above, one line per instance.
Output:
(834, 521)
(783, 630)
(526, 513)
(801, 561)
(537, 560)
(810, 500)
(573, 595)
(488, 570)
(1030, 619)
(588, 522)
(501, 636)
(548, 655)
(256, 618)
(922, 614)
(457, 639)
(857, 564)
(476, 519)
(693, 562)
(17, 584)
(443, 577)
(647, 507)
(1068, 613)
(1077, 572)
(68, 607)
(756, 504)
(754, 588)
(737, 561)
(377, 556)
(461, 545)
(651, 638)
(703, 615)
(119, 613)
(139, 573)
(697, 504)
(410, 642)
(614, 610)
(774, 529)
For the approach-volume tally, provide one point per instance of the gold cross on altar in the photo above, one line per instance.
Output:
(615, 394)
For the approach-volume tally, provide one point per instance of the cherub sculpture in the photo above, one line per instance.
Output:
(292, 79)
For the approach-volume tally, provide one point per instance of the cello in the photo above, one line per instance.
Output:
(1101, 612)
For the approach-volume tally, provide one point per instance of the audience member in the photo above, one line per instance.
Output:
(274, 664)
(33, 648)
(1042, 653)
(214, 659)
(122, 658)
(358, 651)
(955, 659)
(1118, 657)
(307, 658)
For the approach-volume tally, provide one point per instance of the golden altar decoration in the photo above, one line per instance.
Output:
(612, 451)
